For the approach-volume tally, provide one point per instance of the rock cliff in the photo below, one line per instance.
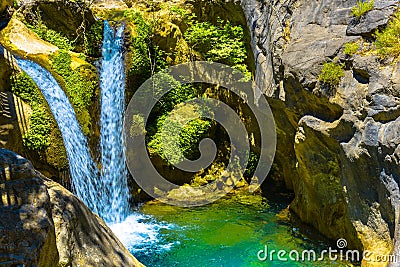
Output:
(337, 148)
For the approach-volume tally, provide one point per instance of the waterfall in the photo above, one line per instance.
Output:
(112, 85)
(83, 170)
(107, 195)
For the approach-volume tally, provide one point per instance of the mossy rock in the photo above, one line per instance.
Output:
(23, 42)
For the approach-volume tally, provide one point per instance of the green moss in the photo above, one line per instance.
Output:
(387, 40)
(80, 85)
(331, 73)
(51, 36)
(362, 7)
(351, 48)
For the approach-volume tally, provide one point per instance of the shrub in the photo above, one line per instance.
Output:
(351, 48)
(146, 57)
(52, 36)
(38, 135)
(331, 73)
(79, 86)
(362, 7)
(223, 43)
(387, 41)
(93, 39)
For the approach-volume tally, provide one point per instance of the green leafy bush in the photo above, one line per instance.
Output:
(38, 135)
(93, 39)
(351, 48)
(331, 73)
(40, 125)
(362, 7)
(52, 36)
(388, 40)
(223, 43)
(190, 136)
(146, 58)
(79, 86)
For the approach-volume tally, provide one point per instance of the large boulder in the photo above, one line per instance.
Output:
(43, 224)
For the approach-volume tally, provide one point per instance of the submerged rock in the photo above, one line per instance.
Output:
(43, 224)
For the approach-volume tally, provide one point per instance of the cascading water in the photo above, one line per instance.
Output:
(83, 172)
(112, 85)
(105, 193)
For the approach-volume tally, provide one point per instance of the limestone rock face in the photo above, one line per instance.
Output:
(43, 224)
(337, 147)
(67, 17)
(376, 18)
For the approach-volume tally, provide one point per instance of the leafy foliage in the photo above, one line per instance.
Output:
(362, 7)
(331, 73)
(222, 43)
(79, 86)
(93, 39)
(351, 48)
(189, 138)
(52, 36)
(387, 41)
(146, 57)
(190, 135)
(38, 135)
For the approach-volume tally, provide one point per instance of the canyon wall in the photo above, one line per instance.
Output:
(338, 148)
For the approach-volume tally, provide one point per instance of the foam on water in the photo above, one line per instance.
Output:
(139, 232)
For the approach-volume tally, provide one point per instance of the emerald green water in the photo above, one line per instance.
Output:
(229, 232)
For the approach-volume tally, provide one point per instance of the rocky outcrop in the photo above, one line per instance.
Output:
(338, 146)
(71, 18)
(375, 19)
(43, 224)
